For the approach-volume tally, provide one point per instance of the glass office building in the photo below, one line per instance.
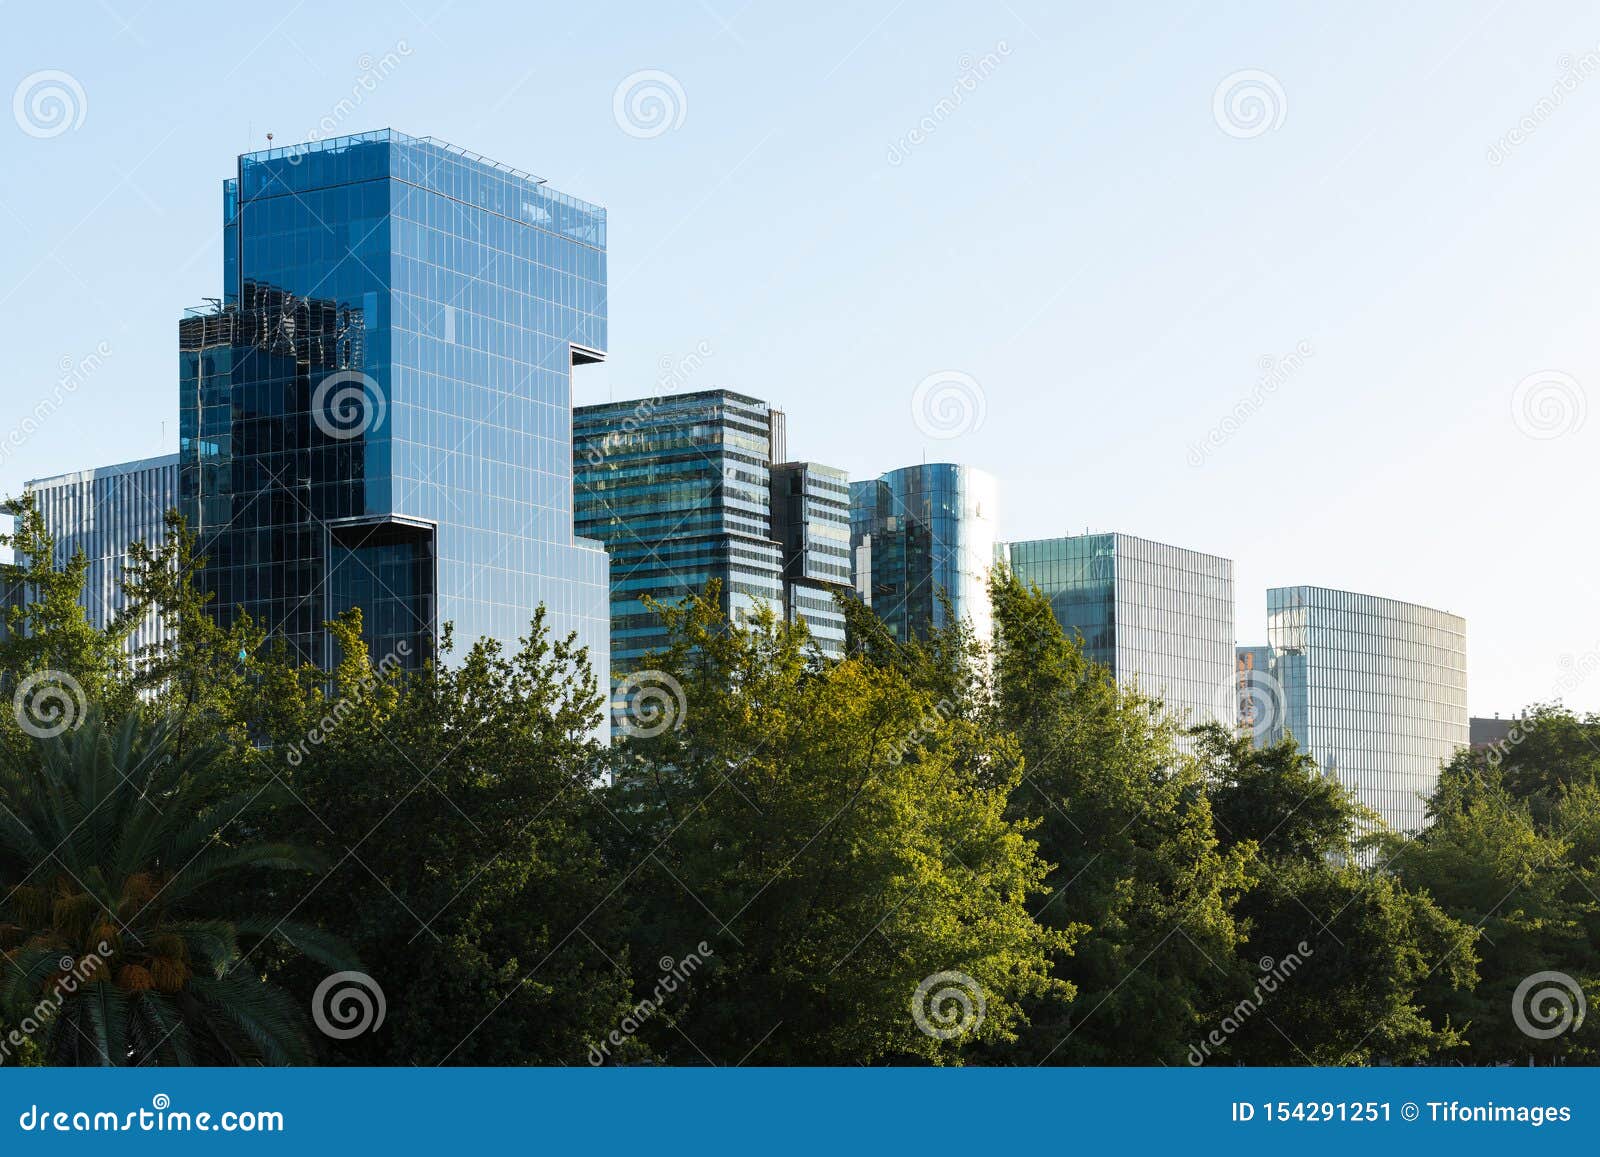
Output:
(377, 411)
(102, 512)
(1160, 617)
(919, 532)
(678, 490)
(811, 522)
(1374, 689)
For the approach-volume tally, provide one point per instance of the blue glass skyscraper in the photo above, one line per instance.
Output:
(920, 535)
(377, 411)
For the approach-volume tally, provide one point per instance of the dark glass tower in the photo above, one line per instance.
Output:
(377, 412)
(678, 489)
(922, 532)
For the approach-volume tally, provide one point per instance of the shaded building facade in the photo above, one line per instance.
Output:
(683, 491)
(376, 413)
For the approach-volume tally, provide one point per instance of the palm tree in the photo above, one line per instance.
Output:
(115, 849)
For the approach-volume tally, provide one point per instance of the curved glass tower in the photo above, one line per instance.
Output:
(919, 531)
(1374, 688)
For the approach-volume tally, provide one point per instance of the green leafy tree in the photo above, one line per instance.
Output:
(118, 865)
(838, 842)
(456, 803)
(1335, 955)
(1125, 818)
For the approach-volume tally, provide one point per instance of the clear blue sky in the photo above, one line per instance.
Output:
(1077, 233)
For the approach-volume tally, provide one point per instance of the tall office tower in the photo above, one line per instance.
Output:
(377, 413)
(102, 512)
(921, 532)
(1160, 617)
(677, 488)
(1374, 689)
(811, 521)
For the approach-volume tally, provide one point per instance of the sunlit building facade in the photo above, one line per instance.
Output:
(811, 523)
(377, 411)
(922, 536)
(1375, 689)
(1160, 617)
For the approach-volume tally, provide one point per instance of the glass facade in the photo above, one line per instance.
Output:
(1374, 689)
(377, 411)
(678, 490)
(811, 521)
(102, 512)
(921, 531)
(1160, 617)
